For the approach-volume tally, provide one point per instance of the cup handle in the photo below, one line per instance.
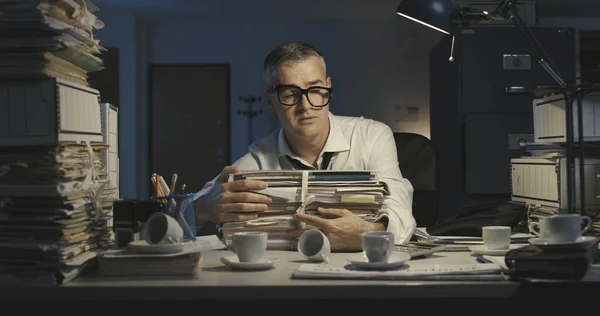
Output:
(325, 258)
(532, 228)
(174, 241)
(588, 223)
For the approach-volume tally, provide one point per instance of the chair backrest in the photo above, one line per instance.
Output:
(418, 163)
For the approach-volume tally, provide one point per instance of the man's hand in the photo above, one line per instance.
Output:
(233, 201)
(342, 227)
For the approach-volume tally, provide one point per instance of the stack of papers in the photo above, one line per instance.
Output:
(294, 191)
(50, 39)
(54, 199)
(124, 262)
(54, 206)
(537, 213)
(462, 243)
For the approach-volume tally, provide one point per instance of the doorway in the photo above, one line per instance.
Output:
(189, 122)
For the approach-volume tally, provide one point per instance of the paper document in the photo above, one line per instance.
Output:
(499, 260)
(410, 271)
(278, 192)
(422, 233)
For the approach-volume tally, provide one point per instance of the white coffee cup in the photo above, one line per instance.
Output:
(563, 228)
(161, 228)
(496, 237)
(249, 246)
(536, 228)
(314, 245)
(377, 246)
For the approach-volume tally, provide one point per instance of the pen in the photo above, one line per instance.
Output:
(173, 183)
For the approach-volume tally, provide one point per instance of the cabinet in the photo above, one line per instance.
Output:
(481, 106)
(110, 128)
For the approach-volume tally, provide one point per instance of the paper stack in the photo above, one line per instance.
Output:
(54, 193)
(53, 211)
(536, 213)
(49, 38)
(294, 191)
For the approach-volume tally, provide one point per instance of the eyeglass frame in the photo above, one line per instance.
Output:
(304, 92)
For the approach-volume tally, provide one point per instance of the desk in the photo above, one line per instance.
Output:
(218, 282)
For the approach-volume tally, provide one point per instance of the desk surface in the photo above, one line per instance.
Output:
(217, 281)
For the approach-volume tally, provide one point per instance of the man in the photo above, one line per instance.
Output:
(299, 91)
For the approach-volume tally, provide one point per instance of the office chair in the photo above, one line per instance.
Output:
(418, 163)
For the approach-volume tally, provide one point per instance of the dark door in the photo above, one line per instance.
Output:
(189, 122)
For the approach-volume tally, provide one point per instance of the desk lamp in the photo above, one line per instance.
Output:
(444, 16)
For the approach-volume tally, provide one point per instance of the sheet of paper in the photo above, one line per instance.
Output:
(279, 192)
(499, 260)
(210, 242)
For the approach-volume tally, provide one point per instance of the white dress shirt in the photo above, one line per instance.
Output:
(357, 143)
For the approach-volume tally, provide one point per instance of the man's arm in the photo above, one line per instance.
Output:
(202, 197)
(397, 210)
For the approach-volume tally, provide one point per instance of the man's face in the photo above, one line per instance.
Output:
(301, 121)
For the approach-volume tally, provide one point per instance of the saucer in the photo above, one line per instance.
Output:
(484, 251)
(396, 259)
(234, 262)
(142, 246)
(582, 242)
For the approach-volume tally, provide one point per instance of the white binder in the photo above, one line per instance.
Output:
(542, 182)
(48, 111)
(549, 119)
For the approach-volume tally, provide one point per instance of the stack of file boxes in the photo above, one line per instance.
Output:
(55, 190)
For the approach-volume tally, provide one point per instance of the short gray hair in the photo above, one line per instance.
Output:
(288, 53)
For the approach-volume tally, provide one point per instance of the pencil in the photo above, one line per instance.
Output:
(157, 185)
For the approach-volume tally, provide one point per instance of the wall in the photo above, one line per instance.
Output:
(375, 66)
(120, 32)
(378, 68)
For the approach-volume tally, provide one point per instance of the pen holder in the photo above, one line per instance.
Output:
(181, 207)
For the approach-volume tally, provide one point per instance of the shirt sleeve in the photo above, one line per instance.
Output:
(397, 208)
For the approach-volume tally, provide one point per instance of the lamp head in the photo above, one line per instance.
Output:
(436, 14)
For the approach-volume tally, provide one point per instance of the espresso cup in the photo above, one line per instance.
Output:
(536, 228)
(314, 245)
(249, 246)
(496, 237)
(377, 246)
(564, 228)
(161, 228)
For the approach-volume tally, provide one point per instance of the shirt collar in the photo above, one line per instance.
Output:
(336, 141)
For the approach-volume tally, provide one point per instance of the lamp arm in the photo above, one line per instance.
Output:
(511, 13)
(508, 11)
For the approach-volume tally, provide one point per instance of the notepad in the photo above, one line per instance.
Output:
(411, 271)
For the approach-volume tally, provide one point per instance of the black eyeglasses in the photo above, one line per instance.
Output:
(291, 95)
